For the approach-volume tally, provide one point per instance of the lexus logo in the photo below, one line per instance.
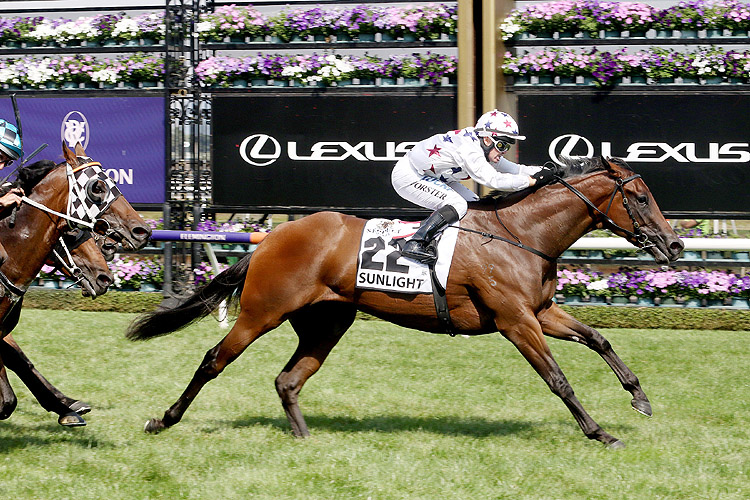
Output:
(568, 145)
(75, 129)
(260, 150)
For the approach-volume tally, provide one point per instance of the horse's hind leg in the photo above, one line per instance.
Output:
(528, 339)
(8, 399)
(559, 324)
(242, 334)
(319, 329)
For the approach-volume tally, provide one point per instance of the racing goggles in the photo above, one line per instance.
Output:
(501, 145)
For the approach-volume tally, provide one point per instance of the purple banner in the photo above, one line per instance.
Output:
(207, 237)
(124, 134)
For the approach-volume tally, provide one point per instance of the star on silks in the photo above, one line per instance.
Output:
(507, 123)
(469, 134)
(434, 151)
(432, 167)
(494, 113)
(447, 138)
(455, 170)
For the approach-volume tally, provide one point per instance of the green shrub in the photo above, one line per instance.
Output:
(595, 316)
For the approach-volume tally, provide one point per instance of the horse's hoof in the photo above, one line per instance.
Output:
(71, 419)
(642, 406)
(80, 407)
(154, 426)
(616, 445)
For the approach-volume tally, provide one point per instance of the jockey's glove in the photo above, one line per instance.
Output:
(544, 176)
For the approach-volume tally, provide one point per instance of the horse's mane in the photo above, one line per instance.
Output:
(571, 168)
(30, 175)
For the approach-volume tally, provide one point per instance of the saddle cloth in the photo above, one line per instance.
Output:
(380, 265)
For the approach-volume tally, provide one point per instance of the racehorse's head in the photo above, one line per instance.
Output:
(638, 216)
(123, 223)
(88, 267)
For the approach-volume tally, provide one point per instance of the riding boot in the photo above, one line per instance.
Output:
(418, 247)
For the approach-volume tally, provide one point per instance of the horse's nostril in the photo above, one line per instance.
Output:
(103, 281)
(141, 231)
(677, 246)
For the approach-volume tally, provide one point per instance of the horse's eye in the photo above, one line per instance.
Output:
(642, 199)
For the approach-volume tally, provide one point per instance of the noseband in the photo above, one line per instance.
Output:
(637, 233)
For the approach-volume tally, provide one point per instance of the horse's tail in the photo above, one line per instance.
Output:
(199, 305)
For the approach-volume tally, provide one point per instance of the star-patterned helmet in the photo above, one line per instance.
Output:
(498, 124)
(10, 141)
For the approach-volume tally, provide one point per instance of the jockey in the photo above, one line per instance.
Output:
(430, 174)
(10, 151)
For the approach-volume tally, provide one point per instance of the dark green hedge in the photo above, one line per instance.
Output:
(596, 316)
(698, 318)
(129, 302)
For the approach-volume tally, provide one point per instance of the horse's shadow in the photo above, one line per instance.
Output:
(13, 437)
(474, 427)
(447, 426)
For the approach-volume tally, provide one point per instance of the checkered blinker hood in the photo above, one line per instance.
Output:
(91, 191)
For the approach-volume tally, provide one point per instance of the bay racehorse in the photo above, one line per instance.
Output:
(502, 278)
(85, 264)
(41, 220)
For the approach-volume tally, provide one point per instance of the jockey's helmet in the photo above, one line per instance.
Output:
(10, 141)
(498, 124)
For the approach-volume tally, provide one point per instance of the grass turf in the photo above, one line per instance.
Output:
(395, 414)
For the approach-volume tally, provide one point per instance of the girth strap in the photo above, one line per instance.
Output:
(441, 303)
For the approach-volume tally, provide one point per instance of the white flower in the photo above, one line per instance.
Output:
(43, 31)
(597, 285)
(106, 75)
(9, 75)
(203, 26)
(40, 73)
(126, 28)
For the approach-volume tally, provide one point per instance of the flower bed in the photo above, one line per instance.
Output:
(237, 24)
(224, 71)
(592, 18)
(663, 285)
(80, 70)
(608, 68)
(94, 30)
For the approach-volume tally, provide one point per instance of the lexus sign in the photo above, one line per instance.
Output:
(308, 153)
(693, 150)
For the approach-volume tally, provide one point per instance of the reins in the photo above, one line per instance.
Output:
(637, 234)
(511, 242)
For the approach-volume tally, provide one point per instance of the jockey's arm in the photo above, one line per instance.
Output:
(481, 171)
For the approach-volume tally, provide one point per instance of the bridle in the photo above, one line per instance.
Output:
(63, 257)
(637, 234)
(80, 204)
(641, 239)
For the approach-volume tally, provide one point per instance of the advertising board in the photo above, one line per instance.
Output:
(693, 150)
(312, 152)
(125, 134)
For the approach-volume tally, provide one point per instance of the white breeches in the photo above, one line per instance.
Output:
(429, 192)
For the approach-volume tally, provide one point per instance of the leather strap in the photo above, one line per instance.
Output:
(441, 303)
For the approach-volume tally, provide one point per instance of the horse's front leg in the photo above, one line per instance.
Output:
(48, 396)
(526, 335)
(561, 325)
